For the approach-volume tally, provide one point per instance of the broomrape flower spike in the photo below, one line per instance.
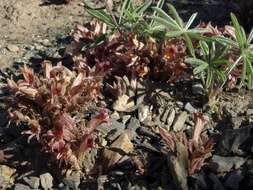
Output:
(199, 147)
(48, 105)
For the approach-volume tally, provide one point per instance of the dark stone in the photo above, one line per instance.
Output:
(233, 180)
(231, 141)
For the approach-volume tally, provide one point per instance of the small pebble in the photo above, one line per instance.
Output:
(189, 108)
(72, 181)
(13, 48)
(46, 181)
(20, 186)
(198, 89)
(180, 121)
(33, 182)
(249, 112)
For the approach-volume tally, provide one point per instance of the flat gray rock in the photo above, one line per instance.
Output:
(33, 182)
(46, 181)
(225, 164)
(180, 121)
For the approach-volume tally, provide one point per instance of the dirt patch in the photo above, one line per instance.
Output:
(21, 21)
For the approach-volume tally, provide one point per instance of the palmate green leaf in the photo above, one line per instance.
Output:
(246, 56)
(209, 66)
(167, 18)
(102, 16)
(175, 15)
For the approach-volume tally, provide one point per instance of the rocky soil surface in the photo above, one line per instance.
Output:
(34, 30)
(25, 24)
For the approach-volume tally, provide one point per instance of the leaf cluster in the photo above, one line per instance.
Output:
(50, 106)
(216, 62)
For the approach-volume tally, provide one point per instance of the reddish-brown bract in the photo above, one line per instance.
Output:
(126, 54)
(199, 147)
(49, 106)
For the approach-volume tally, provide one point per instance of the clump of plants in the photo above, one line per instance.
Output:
(50, 107)
(215, 55)
(139, 42)
(197, 149)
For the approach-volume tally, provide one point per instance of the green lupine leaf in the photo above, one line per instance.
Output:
(250, 37)
(235, 64)
(250, 73)
(198, 36)
(209, 79)
(221, 75)
(221, 53)
(238, 32)
(175, 15)
(244, 36)
(174, 34)
(197, 31)
(158, 6)
(167, 18)
(225, 41)
(125, 6)
(205, 48)
(195, 61)
(190, 21)
(250, 55)
(102, 16)
(166, 23)
(219, 62)
(189, 45)
(200, 69)
(142, 8)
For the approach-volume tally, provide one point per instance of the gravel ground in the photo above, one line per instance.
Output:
(32, 31)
